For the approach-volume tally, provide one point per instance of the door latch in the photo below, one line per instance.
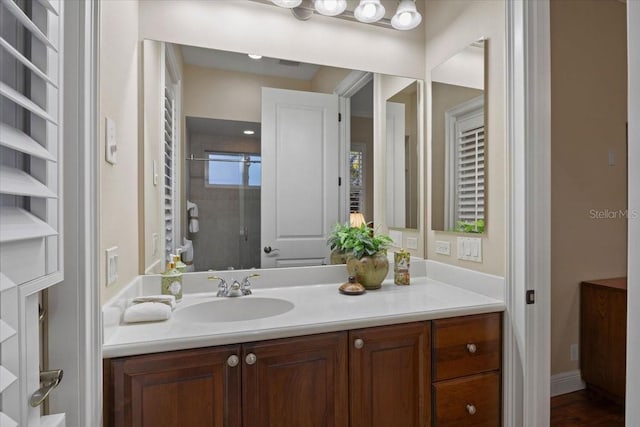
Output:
(48, 381)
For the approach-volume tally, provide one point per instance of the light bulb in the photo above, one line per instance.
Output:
(330, 5)
(369, 10)
(404, 18)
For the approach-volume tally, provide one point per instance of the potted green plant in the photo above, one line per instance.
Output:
(363, 250)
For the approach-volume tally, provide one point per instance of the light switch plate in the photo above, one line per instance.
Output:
(112, 265)
(470, 248)
(111, 144)
(443, 247)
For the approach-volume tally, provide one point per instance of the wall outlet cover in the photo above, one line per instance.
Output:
(443, 247)
(112, 265)
(412, 243)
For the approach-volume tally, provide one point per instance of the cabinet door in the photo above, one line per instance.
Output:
(192, 388)
(603, 318)
(296, 382)
(390, 375)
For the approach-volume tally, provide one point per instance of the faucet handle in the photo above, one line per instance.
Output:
(222, 285)
(246, 284)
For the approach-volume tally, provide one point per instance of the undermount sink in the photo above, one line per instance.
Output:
(234, 309)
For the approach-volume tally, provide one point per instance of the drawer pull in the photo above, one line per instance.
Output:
(250, 359)
(471, 348)
(358, 343)
(471, 409)
(233, 361)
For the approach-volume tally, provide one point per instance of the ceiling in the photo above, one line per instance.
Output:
(232, 61)
(230, 128)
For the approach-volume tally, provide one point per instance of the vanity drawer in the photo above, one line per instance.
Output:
(466, 345)
(468, 401)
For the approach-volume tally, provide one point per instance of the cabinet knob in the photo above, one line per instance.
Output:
(233, 361)
(250, 359)
(358, 343)
(471, 409)
(472, 348)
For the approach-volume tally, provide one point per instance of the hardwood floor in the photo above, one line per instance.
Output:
(579, 409)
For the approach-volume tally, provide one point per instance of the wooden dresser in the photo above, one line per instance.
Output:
(603, 336)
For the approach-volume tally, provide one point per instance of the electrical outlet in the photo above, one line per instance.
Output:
(412, 243)
(112, 265)
(575, 352)
(396, 236)
(154, 244)
(443, 247)
(111, 144)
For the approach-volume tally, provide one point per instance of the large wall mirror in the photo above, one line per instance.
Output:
(402, 137)
(459, 144)
(256, 159)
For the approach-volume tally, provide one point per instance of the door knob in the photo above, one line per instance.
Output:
(233, 361)
(250, 359)
(471, 348)
(269, 249)
(358, 343)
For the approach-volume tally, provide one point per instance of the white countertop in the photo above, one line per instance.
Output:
(317, 308)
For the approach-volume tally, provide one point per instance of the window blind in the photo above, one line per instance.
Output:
(470, 175)
(169, 172)
(30, 191)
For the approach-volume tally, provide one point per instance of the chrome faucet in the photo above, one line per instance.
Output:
(245, 286)
(237, 289)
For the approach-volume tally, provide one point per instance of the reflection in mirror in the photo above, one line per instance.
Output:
(253, 158)
(402, 158)
(458, 141)
(250, 163)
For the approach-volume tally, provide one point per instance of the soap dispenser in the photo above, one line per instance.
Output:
(180, 266)
(172, 282)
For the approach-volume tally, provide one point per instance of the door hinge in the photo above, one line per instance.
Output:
(531, 297)
(339, 181)
(339, 117)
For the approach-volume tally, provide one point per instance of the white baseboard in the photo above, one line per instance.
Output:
(566, 382)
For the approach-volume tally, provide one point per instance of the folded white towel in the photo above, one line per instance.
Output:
(147, 312)
(170, 300)
(187, 251)
(194, 223)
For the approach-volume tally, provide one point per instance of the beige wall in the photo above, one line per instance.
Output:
(443, 97)
(327, 78)
(119, 74)
(229, 95)
(450, 27)
(385, 87)
(588, 105)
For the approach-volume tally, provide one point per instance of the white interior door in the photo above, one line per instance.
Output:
(300, 176)
(396, 194)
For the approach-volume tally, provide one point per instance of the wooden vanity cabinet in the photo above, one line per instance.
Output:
(174, 389)
(412, 374)
(467, 370)
(294, 382)
(389, 376)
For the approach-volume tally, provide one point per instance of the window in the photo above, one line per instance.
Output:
(465, 162)
(356, 178)
(233, 170)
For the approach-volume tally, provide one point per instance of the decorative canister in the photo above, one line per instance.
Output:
(401, 267)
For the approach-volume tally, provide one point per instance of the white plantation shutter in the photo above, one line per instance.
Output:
(169, 173)
(470, 172)
(30, 195)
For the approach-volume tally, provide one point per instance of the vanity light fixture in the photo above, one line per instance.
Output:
(369, 11)
(373, 12)
(254, 56)
(330, 7)
(407, 16)
(248, 132)
(287, 3)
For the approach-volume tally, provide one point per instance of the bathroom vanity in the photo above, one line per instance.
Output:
(426, 354)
